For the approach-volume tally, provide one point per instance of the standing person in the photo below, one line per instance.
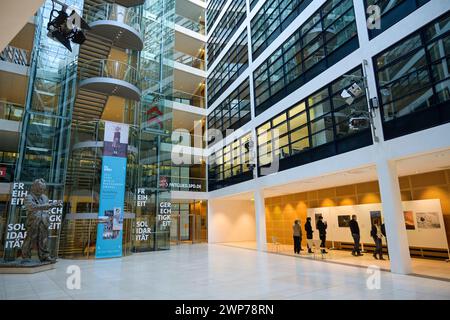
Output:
(309, 232)
(297, 236)
(377, 236)
(322, 227)
(383, 231)
(354, 229)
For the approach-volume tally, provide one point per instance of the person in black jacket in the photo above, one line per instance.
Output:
(354, 229)
(322, 227)
(377, 235)
(309, 231)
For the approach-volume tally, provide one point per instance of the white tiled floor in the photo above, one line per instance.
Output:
(423, 267)
(215, 272)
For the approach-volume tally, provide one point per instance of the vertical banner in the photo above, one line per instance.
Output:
(112, 191)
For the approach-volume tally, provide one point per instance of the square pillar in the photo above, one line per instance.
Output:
(260, 218)
(397, 239)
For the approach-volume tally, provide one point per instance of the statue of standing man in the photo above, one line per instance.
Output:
(37, 205)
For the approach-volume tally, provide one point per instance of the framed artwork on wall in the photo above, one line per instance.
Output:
(409, 220)
(343, 221)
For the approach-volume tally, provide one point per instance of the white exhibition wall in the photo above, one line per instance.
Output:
(425, 223)
(231, 221)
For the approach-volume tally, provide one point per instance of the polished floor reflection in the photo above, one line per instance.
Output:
(421, 267)
(216, 272)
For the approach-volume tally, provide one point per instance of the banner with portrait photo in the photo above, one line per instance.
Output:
(112, 191)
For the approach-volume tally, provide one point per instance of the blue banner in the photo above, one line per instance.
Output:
(112, 191)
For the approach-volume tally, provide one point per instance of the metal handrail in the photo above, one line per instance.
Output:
(109, 69)
(15, 55)
(190, 24)
(186, 98)
(115, 12)
(11, 111)
(189, 60)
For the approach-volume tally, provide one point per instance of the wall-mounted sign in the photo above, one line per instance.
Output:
(164, 215)
(142, 230)
(141, 198)
(18, 194)
(186, 186)
(2, 172)
(16, 232)
(165, 183)
(55, 216)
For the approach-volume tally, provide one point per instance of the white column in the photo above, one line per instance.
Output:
(260, 217)
(394, 219)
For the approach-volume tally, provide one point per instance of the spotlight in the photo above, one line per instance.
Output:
(350, 94)
(358, 123)
(65, 28)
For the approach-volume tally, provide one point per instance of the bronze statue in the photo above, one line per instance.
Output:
(37, 205)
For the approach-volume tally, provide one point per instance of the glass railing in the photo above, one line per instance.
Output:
(11, 111)
(109, 69)
(190, 24)
(186, 98)
(188, 60)
(15, 55)
(115, 12)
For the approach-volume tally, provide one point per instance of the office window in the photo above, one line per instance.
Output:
(413, 76)
(272, 19)
(230, 164)
(212, 12)
(233, 112)
(325, 38)
(253, 4)
(318, 121)
(226, 28)
(229, 68)
(392, 11)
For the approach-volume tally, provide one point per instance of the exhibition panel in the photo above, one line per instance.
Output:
(426, 209)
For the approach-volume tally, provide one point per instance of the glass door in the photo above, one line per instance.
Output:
(175, 229)
(188, 224)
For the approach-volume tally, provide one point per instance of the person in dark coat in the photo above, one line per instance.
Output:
(322, 227)
(354, 229)
(309, 232)
(377, 235)
(297, 231)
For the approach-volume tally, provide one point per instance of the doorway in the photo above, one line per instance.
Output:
(188, 223)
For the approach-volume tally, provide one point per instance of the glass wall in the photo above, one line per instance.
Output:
(229, 68)
(155, 125)
(253, 4)
(392, 11)
(212, 12)
(273, 17)
(230, 22)
(233, 112)
(189, 222)
(230, 164)
(413, 79)
(45, 132)
(315, 128)
(325, 38)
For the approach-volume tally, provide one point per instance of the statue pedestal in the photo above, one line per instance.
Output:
(29, 267)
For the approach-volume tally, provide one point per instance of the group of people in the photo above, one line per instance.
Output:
(377, 232)
(321, 226)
